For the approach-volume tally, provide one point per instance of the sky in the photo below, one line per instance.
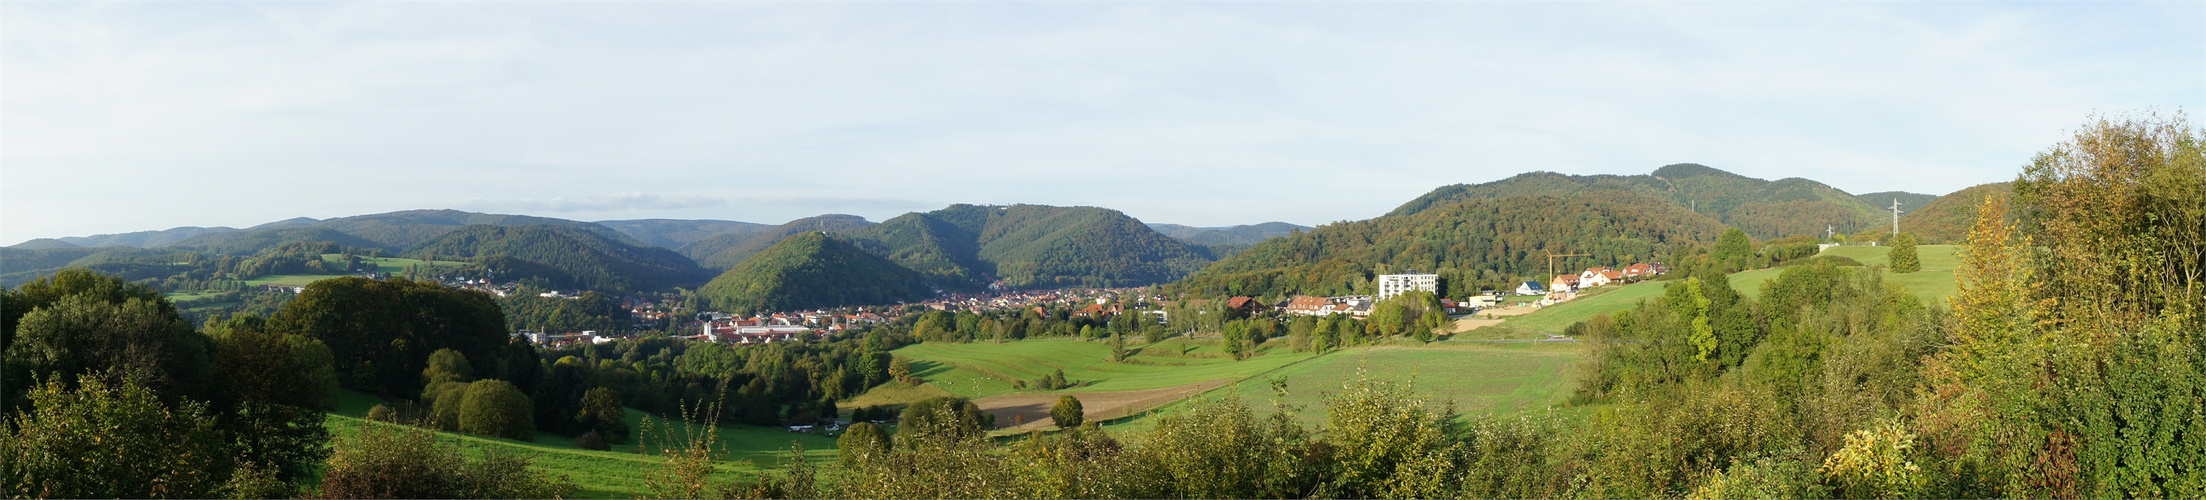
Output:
(129, 116)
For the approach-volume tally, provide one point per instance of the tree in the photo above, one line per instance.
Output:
(1067, 413)
(1732, 250)
(381, 333)
(1902, 254)
(901, 370)
(939, 421)
(279, 388)
(143, 341)
(495, 408)
(602, 413)
(447, 365)
(862, 442)
(1118, 347)
(110, 438)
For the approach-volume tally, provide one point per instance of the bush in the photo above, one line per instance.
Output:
(109, 439)
(1903, 254)
(1067, 413)
(383, 413)
(591, 441)
(602, 414)
(862, 442)
(942, 420)
(496, 408)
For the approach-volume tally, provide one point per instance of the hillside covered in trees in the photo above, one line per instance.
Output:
(963, 247)
(673, 233)
(1473, 242)
(1764, 209)
(566, 257)
(724, 250)
(1947, 218)
(811, 270)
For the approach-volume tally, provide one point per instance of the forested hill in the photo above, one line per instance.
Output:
(566, 257)
(1947, 219)
(1480, 242)
(673, 233)
(725, 250)
(810, 270)
(1907, 200)
(144, 239)
(1764, 209)
(1032, 246)
(1233, 235)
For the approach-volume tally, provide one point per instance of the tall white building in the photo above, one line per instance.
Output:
(1391, 285)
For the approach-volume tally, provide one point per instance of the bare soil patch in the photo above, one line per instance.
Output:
(1030, 411)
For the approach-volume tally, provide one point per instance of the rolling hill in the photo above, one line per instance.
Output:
(1907, 200)
(1247, 234)
(1947, 219)
(1031, 246)
(810, 270)
(673, 233)
(723, 251)
(1764, 209)
(1472, 242)
(567, 256)
(144, 239)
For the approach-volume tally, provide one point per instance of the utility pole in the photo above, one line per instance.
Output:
(1895, 217)
(1551, 262)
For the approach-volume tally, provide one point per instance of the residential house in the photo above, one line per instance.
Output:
(1564, 282)
(1531, 288)
(1308, 306)
(1594, 277)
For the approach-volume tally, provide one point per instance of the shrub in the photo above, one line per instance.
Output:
(496, 408)
(942, 420)
(383, 413)
(862, 442)
(1067, 413)
(109, 439)
(591, 441)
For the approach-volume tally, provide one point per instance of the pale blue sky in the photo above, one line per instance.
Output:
(131, 116)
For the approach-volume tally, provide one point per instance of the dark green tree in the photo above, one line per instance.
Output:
(1067, 413)
(279, 389)
(602, 413)
(382, 332)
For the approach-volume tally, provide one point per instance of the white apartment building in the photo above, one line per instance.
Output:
(1391, 285)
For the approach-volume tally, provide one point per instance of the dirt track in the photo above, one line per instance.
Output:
(1031, 411)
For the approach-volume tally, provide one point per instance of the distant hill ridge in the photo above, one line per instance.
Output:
(1764, 209)
(1031, 246)
(1472, 243)
(567, 256)
(1247, 234)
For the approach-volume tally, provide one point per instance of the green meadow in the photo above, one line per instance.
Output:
(1932, 284)
(983, 369)
(1594, 302)
(390, 265)
(1477, 378)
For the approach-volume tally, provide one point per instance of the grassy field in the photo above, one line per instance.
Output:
(983, 369)
(618, 473)
(389, 265)
(1478, 378)
(1598, 301)
(1933, 284)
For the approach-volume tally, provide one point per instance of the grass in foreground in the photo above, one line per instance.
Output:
(617, 473)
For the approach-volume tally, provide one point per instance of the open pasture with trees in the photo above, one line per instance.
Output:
(1478, 378)
(982, 369)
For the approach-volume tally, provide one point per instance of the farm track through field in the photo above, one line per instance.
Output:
(1030, 411)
